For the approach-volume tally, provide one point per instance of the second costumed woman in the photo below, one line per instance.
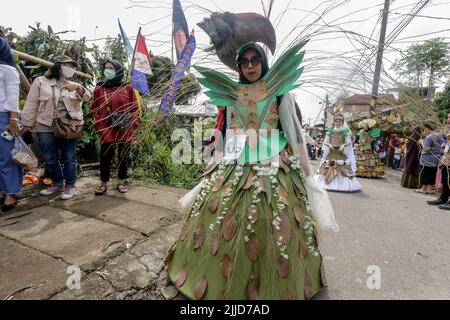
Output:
(338, 168)
(250, 231)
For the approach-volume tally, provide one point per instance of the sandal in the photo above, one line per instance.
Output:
(101, 190)
(122, 188)
(8, 207)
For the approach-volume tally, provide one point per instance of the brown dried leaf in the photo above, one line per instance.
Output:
(283, 267)
(223, 296)
(307, 285)
(229, 225)
(283, 195)
(184, 231)
(253, 215)
(169, 255)
(252, 247)
(226, 265)
(199, 237)
(213, 205)
(248, 184)
(181, 277)
(253, 288)
(226, 188)
(215, 244)
(303, 249)
(200, 288)
(285, 230)
(262, 183)
(287, 295)
(218, 184)
(299, 215)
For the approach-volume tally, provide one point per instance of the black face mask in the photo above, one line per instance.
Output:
(262, 54)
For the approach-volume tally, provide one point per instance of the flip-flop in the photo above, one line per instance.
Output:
(122, 188)
(420, 191)
(100, 190)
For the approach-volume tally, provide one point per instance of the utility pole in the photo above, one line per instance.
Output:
(376, 79)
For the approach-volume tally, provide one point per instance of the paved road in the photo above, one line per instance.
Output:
(119, 243)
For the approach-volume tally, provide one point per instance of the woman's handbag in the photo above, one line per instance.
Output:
(119, 120)
(66, 128)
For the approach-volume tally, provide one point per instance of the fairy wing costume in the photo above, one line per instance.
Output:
(250, 228)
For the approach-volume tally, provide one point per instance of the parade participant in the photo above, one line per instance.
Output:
(393, 144)
(410, 178)
(429, 158)
(53, 109)
(114, 97)
(250, 231)
(10, 172)
(338, 167)
(368, 162)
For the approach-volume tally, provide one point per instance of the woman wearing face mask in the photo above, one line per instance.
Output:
(250, 228)
(116, 113)
(51, 96)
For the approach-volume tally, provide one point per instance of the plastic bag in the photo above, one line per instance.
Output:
(23, 155)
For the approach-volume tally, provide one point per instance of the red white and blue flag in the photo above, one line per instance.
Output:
(141, 67)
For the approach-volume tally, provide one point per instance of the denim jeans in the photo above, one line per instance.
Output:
(51, 147)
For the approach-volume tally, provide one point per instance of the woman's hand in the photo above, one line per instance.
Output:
(70, 86)
(26, 129)
(13, 127)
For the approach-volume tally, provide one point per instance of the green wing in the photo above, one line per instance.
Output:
(221, 89)
(285, 72)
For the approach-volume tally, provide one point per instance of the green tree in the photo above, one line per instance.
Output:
(442, 102)
(429, 60)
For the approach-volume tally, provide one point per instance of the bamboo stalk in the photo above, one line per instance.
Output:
(45, 63)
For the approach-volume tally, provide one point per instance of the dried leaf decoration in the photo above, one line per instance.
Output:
(215, 244)
(283, 267)
(199, 237)
(308, 286)
(226, 266)
(262, 183)
(303, 249)
(200, 288)
(283, 195)
(223, 296)
(229, 225)
(299, 215)
(252, 247)
(285, 230)
(248, 184)
(169, 256)
(184, 231)
(181, 277)
(287, 295)
(218, 184)
(213, 205)
(253, 288)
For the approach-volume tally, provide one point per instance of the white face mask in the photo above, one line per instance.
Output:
(67, 72)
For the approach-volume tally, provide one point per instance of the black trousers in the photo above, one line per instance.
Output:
(107, 152)
(445, 195)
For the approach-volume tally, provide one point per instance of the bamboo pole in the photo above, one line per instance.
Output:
(45, 63)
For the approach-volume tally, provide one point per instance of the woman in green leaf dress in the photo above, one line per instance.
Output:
(251, 223)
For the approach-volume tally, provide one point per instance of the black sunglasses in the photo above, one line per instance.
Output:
(255, 61)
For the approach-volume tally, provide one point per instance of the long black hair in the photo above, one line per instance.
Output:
(262, 54)
(54, 72)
